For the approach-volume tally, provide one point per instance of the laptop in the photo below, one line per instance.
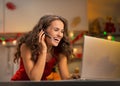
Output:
(100, 60)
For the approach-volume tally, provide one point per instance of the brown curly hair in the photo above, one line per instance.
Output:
(31, 39)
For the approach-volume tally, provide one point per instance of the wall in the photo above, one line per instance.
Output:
(27, 13)
(1, 16)
(100, 8)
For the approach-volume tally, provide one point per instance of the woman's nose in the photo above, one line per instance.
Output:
(60, 34)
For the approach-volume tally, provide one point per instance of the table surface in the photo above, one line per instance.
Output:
(63, 83)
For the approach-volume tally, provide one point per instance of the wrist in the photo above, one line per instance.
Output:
(43, 52)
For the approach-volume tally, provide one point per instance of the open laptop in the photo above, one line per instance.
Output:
(101, 59)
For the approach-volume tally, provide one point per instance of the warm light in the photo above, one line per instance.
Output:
(75, 50)
(14, 42)
(71, 34)
(109, 37)
(3, 42)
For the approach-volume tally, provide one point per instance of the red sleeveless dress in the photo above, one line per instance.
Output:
(21, 75)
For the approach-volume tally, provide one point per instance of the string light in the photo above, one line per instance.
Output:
(113, 38)
(105, 33)
(2, 38)
(75, 50)
(109, 37)
(10, 38)
(14, 42)
(71, 35)
(3, 42)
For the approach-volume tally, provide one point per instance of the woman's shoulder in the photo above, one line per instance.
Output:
(24, 48)
(25, 52)
(61, 57)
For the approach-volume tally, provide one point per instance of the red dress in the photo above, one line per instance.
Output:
(21, 75)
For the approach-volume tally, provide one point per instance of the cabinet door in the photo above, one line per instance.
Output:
(7, 67)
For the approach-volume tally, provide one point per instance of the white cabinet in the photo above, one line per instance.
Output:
(7, 67)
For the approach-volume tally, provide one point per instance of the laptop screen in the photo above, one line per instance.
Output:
(101, 59)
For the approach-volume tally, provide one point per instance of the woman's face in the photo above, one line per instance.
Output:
(55, 30)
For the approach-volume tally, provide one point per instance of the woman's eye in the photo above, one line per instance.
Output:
(56, 29)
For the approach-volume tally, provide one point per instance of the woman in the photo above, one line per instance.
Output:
(42, 48)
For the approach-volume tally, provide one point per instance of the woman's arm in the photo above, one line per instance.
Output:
(63, 67)
(33, 70)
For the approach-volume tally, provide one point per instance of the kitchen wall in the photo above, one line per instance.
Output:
(24, 14)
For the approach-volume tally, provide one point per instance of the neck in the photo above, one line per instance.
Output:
(49, 49)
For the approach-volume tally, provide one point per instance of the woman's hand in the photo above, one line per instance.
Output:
(42, 41)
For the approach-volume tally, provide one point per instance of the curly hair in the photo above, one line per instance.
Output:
(31, 39)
